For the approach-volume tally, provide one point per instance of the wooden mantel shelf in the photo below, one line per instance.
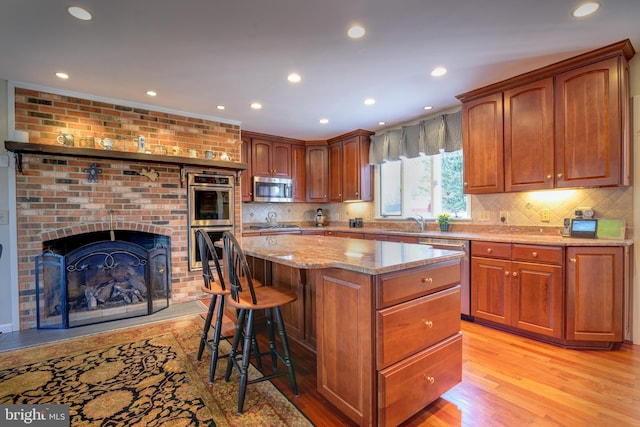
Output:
(21, 148)
(59, 150)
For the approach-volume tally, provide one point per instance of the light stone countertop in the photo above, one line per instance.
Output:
(364, 256)
(524, 238)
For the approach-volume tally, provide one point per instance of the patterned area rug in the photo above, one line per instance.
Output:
(145, 376)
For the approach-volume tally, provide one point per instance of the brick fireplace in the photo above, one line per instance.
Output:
(56, 199)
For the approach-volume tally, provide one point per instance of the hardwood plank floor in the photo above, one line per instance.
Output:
(510, 380)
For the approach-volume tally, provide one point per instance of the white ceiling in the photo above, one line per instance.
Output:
(197, 54)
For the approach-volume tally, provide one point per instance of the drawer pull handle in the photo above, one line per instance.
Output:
(429, 323)
(572, 260)
(430, 379)
(427, 280)
(506, 273)
(535, 254)
(515, 274)
(489, 250)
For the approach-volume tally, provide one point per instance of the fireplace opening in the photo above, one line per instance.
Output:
(96, 277)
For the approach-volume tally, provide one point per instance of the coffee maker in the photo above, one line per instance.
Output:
(319, 220)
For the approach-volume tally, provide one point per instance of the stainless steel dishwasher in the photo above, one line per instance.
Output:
(465, 276)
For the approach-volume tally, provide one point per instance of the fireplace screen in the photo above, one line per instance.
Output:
(101, 281)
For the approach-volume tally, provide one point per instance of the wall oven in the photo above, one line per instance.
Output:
(210, 205)
(272, 189)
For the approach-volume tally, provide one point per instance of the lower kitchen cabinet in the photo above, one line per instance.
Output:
(595, 277)
(519, 286)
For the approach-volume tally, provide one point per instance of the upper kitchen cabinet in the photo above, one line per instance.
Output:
(247, 176)
(270, 158)
(317, 173)
(299, 172)
(564, 125)
(350, 174)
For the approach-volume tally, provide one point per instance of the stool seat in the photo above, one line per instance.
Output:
(266, 296)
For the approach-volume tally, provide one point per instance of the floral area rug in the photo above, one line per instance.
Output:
(142, 376)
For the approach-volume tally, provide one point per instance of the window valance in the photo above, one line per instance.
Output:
(429, 136)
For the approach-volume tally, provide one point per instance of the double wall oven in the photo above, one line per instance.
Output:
(211, 208)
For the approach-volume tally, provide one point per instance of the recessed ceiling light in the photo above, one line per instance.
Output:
(356, 31)
(428, 107)
(220, 107)
(585, 9)
(294, 77)
(256, 105)
(151, 93)
(369, 101)
(382, 123)
(62, 75)
(439, 71)
(79, 13)
(324, 121)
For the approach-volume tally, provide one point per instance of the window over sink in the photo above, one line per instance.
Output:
(424, 185)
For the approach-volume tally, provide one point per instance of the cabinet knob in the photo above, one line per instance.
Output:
(429, 378)
(427, 280)
(549, 176)
(489, 250)
(506, 273)
(466, 184)
(559, 175)
(325, 195)
(515, 274)
(534, 254)
(572, 260)
(429, 323)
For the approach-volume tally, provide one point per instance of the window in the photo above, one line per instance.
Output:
(425, 185)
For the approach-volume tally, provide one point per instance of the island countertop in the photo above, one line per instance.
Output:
(364, 256)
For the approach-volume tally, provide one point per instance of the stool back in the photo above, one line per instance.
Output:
(207, 254)
(239, 275)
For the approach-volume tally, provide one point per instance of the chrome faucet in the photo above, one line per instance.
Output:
(419, 220)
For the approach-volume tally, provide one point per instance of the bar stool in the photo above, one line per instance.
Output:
(215, 287)
(247, 296)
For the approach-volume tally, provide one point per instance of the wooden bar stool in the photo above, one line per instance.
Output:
(215, 287)
(246, 296)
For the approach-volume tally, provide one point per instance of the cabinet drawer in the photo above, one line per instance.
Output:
(394, 288)
(407, 328)
(542, 254)
(407, 387)
(491, 250)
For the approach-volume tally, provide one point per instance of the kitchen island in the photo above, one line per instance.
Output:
(383, 318)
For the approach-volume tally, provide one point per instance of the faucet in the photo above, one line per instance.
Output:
(419, 220)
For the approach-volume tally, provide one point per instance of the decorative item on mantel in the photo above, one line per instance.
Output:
(444, 220)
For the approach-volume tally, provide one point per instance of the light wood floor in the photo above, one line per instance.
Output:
(510, 381)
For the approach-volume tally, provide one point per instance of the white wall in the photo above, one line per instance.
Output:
(8, 287)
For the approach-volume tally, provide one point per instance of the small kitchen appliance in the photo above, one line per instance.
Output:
(319, 220)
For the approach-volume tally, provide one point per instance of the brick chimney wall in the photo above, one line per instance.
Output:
(55, 199)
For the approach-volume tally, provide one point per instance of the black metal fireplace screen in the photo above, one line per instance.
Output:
(103, 280)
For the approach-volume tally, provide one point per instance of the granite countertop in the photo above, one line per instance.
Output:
(364, 256)
(525, 238)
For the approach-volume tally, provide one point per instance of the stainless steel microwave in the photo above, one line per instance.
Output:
(272, 189)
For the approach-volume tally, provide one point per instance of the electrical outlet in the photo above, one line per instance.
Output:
(484, 216)
(545, 215)
(4, 217)
(504, 216)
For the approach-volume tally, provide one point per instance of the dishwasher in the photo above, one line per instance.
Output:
(465, 275)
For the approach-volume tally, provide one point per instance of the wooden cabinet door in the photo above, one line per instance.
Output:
(537, 298)
(247, 175)
(261, 157)
(594, 294)
(317, 174)
(356, 172)
(482, 142)
(528, 137)
(491, 289)
(588, 125)
(298, 173)
(335, 172)
(281, 160)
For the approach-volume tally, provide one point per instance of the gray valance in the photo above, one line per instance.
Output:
(429, 136)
